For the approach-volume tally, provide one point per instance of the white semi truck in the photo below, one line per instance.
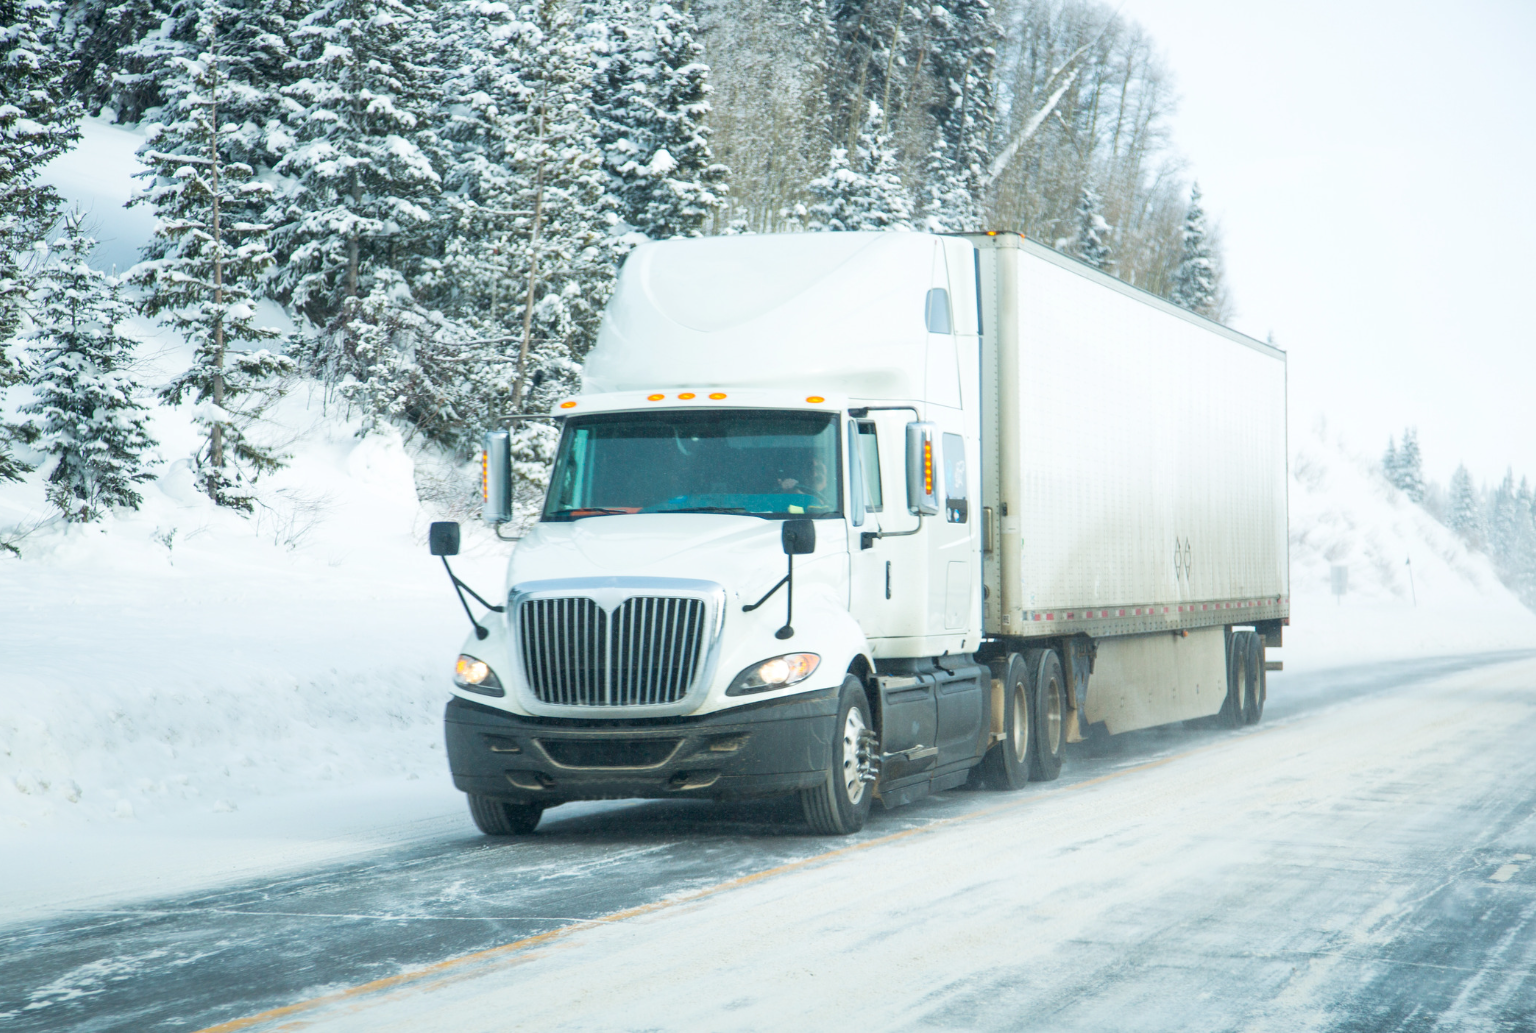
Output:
(863, 517)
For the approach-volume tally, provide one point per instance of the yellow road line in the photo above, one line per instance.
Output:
(491, 953)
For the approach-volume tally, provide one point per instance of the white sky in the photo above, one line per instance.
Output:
(1373, 169)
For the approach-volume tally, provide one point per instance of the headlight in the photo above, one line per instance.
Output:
(774, 674)
(477, 676)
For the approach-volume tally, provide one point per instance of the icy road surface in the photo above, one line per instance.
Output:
(1363, 860)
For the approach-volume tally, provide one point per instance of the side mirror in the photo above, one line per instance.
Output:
(496, 477)
(443, 537)
(923, 488)
(799, 537)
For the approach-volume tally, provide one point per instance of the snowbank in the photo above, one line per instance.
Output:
(1413, 588)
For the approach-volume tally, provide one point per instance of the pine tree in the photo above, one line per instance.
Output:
(834, 195)
(1194, 282)
(864, 191)
(362, 184)
(1391, 462)
(203, 275)
(1410, 468)
(1501, 523)
(962, 57)
(1092, 241)
(87, 412)
(651, 99)
(38, 122)
(1466, 520)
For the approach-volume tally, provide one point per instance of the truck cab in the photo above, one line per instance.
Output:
(659, 639)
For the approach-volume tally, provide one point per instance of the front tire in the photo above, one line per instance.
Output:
(839, 806)
(1050, 716)
(497, 817)
(1007, 764)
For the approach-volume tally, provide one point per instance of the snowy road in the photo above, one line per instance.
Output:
(1361, 861)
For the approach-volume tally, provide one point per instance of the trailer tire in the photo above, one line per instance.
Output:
(1007, 764)
(1050, 686)
(498, 817)
(1253, 679)
(1231, 714)
(839, 806)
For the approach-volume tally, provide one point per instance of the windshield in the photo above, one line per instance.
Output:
(766, 463)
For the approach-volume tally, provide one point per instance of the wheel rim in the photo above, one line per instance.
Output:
(1053, 716)
(853, 728)
(1019, 733)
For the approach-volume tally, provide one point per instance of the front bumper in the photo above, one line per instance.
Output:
(763, 749)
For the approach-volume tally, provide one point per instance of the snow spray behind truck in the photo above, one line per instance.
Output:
(862, 516)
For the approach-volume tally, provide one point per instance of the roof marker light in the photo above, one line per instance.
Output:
(686, 395)
(654, 398)
(567, 405)
(717, 395)
(815, 399)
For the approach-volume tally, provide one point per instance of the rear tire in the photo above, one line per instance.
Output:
(1253, 679)
(1231, 714)
(1050, 716)
(1007, 764)
(497, 817)
(839, 806)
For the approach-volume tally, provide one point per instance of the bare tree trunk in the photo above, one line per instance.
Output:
(533, 266)
(216, 435)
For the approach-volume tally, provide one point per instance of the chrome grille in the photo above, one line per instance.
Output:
(645, 652)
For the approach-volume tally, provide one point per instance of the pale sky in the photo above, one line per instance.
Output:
(1373, 169)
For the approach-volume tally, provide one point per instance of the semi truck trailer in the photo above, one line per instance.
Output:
(862, 517)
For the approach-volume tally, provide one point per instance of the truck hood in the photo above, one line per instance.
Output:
(742, 553)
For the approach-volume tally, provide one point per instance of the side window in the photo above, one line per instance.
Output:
(869, 456)
(956, 491)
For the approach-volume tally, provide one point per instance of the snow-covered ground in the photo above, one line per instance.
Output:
(1413, 588)
(193, 695)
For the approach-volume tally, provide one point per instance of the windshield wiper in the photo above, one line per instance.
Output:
(586, 511)
(704, 509)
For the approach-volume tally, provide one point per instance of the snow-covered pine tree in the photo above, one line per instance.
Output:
(961, 53)
(834, 195)
(362, 185)
(1391, 462)
(38, 122)
(202, 276)
(86, 410)
(862, 191)
(1500, 523)
(886, 204)
(1091, 243)
(1194, 281)
(1410, 467)
(1465, 513)
(650, 97)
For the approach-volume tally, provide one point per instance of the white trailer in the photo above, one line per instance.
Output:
(864, 516)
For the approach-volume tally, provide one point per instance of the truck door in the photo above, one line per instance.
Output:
(875, 582)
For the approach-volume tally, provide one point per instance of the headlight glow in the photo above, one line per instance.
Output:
(775, 673)
(476, 676)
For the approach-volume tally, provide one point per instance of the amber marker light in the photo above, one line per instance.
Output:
(567, 405)
(815, 399)
(687, 396)
(485, 475)
(654, 398)
(927, 466)
(717, 395)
